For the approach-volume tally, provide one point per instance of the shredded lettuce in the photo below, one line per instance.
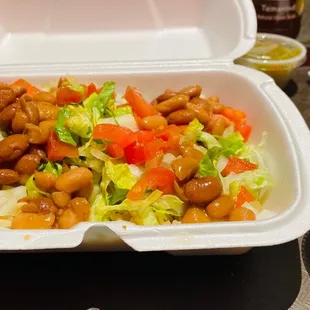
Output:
(139, 210)
(193, 131)
(79, 121)
(123, 111)
(120, 175)
(168, 208)
(51, 167)
(232, 144)
(208, 140)
(207, 168)
(103, 104)
(116, 194)
(154, 210)
(62, 132)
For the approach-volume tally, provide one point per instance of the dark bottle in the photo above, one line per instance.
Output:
(279, 16)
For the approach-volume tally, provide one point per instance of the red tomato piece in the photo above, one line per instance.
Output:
(67, 95)
(114, 150)
(91, 88)
(244, 196)
(135, 153)
(234, 115)
(245, 130)
(138, 103)
(31, 90)
(58, 150)
(156, 178)
(145, 136)
(153, 147)
(237, 165)
(171, 134)
(114, 133)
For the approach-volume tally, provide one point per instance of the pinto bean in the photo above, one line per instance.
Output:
(181, 117)
(81, 208)
(74, 180)
(13, 147)
(173, 104)
(184, 168)
(19, 122)
(191, 91)
(27, 164)
(19, 90)
(31, 110)
(7, 96)
(7, 115)
(67, 219)
(203, 191)
(33, 221)
(45, 181)
(39, 134)
(153, 122)
(61, 199)
(47, 111)
(42, 205)
(8, 177)
(45, 97)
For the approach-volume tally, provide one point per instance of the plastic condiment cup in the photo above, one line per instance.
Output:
(280, 70)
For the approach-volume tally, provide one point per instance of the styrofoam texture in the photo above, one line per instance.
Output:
(163, 44)
(62, 31)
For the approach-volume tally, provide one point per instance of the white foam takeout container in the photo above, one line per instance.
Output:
(154, 45)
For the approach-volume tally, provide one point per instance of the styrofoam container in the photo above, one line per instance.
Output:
(154, 45)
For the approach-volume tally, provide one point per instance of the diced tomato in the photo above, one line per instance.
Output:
(234, 115)
(31, 90)
(91, 88)
(135, 153)
(171, 134)
(114, 150)
(153, 147)
(244, 129)
(244, 196)
(145, 136)
(138, 103)
(58, 150)
(67, 95)
(156, 178)
(155, 162)
(114, 133)
(237, 165)
(137, 119)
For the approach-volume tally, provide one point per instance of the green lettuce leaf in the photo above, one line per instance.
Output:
(207, 168)
(116, 194)
(123, 111)
(62, 132)
(138, 211)
(101, 105)
(79, 121)
(208, 140)
(120, 175)
(168, 208)
(51, 167)
(193, 131)
(232, 144)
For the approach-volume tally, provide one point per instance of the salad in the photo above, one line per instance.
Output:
(77, 153)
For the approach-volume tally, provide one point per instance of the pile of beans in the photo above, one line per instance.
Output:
(28, 121)
(203, 195)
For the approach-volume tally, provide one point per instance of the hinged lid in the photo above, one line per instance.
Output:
(70, 31)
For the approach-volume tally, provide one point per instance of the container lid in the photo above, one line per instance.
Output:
(69, 31)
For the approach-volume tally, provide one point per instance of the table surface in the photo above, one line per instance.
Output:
(264, 279)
